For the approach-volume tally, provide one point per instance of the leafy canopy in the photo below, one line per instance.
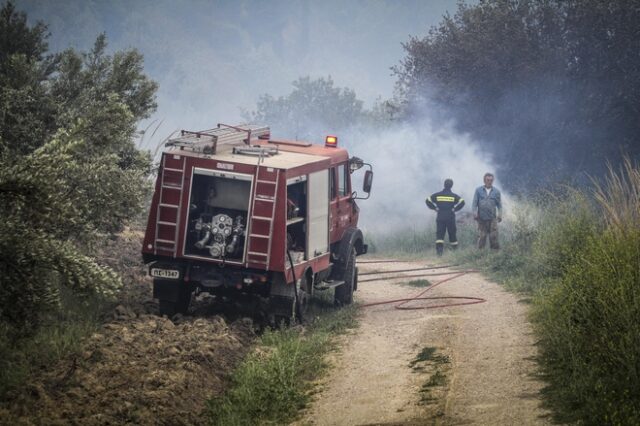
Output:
(70, 173)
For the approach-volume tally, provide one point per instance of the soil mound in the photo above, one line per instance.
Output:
(138, 370)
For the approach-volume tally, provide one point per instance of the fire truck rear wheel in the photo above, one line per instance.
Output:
(344, 292)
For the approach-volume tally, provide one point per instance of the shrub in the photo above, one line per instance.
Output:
(590, 334)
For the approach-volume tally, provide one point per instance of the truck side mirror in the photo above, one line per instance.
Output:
(368, 181)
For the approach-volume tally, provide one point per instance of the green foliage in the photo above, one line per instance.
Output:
(312, 107)
(48, 200)
(60, 335)
(69, 171)
(108, 94)
(590, 335)
(534, 77)
(27, 112)
(274, 382)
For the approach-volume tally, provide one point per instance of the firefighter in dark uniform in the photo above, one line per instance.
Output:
(446, 203)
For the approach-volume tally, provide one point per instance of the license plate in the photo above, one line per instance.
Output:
(165, 273)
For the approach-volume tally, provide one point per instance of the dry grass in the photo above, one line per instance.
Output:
(619, 196)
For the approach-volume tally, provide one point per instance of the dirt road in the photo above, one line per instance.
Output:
(476, 361)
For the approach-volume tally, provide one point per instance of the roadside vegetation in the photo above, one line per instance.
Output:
(575, 253)
(275, 381)
(578, 257)
(71, 179)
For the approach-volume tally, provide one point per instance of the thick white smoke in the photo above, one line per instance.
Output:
(410, 162)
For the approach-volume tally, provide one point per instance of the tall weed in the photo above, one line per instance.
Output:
(590, 334)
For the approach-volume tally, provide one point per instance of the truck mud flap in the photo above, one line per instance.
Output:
(167, 290)
(281, 305)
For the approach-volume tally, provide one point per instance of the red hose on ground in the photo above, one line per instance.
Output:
(420, 296)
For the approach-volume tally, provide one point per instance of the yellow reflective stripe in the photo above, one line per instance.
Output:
(429, 199)
(445, 198)
(439, 241)
(455, 243)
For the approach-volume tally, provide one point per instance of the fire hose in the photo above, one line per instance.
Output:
(464, 300)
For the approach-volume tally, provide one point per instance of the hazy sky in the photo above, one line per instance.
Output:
(214, 58)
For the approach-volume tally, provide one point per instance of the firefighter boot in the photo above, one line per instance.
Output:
(439, 247)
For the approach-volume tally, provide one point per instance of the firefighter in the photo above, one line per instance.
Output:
(446, 203)
(487, 210)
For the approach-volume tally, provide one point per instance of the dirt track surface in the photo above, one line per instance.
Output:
(483, 372)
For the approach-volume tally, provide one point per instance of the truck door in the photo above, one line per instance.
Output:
(340, 193)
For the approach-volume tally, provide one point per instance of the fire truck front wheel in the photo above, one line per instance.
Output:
(344, 292)
(173, 297)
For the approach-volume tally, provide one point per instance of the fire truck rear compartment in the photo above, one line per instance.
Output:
(296, 223)
(218, 206)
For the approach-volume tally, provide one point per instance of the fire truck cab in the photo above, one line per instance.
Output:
(249, 218)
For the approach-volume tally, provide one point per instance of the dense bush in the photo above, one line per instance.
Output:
(588, 319)
(590, 334)
(70, 174)
(545, 86)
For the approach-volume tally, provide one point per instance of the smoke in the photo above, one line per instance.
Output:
(411, 162)
(213, 59)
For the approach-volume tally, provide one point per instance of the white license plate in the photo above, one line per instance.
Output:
(165, 273)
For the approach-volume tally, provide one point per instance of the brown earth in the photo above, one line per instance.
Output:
(138, 368)
(481, 370)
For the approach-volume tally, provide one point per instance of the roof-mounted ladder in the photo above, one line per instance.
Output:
(207, 141)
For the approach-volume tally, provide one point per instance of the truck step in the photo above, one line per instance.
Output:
(326, 285)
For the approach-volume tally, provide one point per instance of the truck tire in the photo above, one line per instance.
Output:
(181, 306)
(302, 302)
(344, 292)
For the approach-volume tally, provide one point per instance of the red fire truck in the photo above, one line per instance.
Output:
(253, 219)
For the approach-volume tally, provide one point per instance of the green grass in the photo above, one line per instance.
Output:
(437, 379)
(418, 283)
(275, 381)
(415, 243)
(428, 356)
(62, 334)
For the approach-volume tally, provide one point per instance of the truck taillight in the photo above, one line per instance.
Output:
(331, 141)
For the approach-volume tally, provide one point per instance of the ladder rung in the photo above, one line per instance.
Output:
(255, 253)
(262, 218)
(161, 241)
(173, 206)
(258, 236)
(162, 222)
(172, 186)
(272, 182)
(173, 170)
(267, 198)
(170, 250)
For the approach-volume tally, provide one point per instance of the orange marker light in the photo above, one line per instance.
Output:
(331, 141)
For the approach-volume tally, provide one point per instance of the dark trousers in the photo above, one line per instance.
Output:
(488, 228)
(442, 227)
